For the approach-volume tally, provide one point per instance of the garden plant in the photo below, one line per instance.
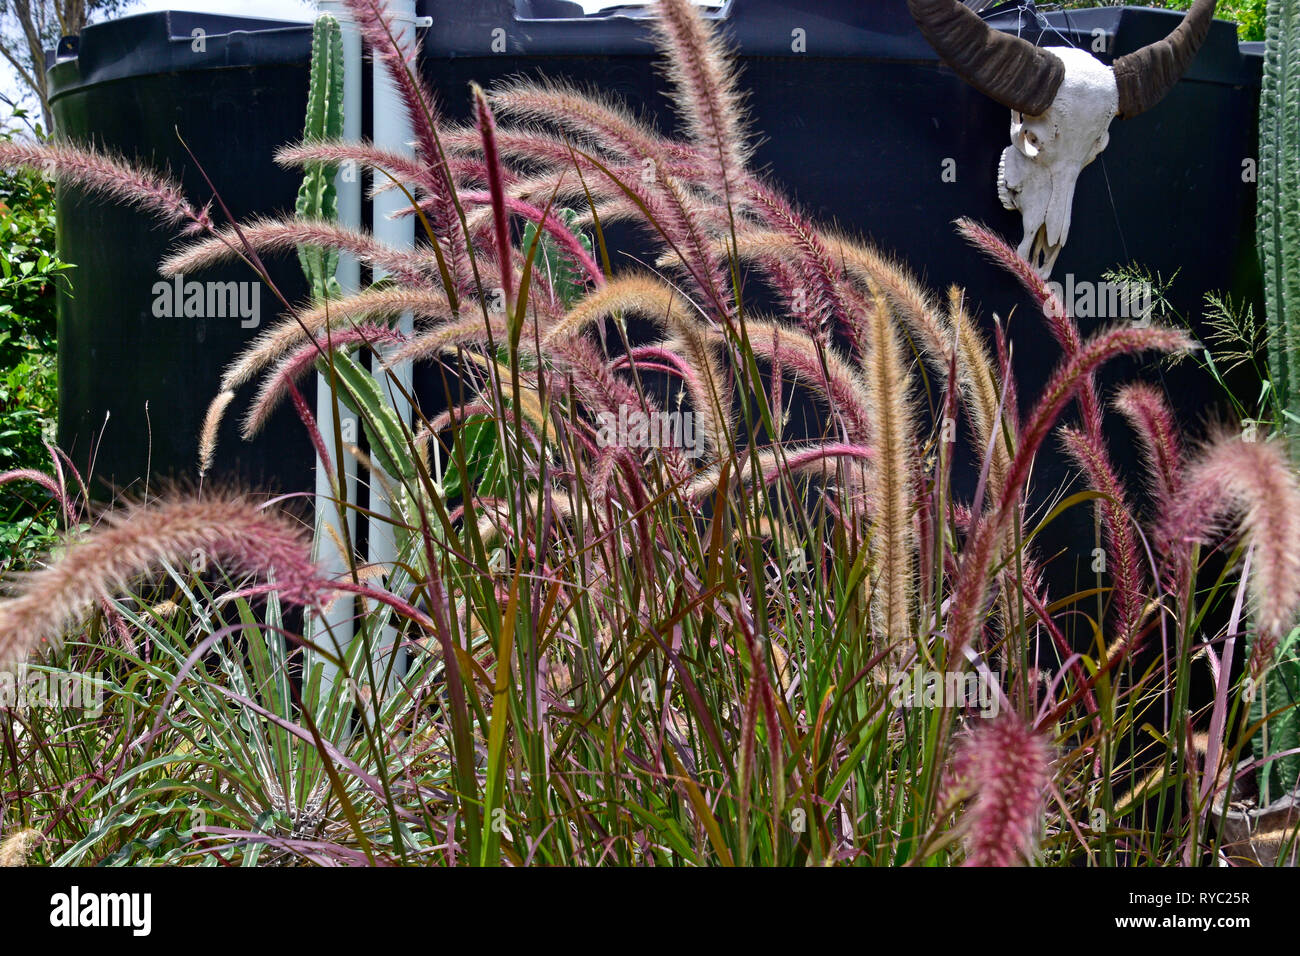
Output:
(641, 611)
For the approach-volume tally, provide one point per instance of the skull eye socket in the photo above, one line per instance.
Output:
(1027, 142)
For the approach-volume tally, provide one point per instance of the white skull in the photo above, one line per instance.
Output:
(1039, 169)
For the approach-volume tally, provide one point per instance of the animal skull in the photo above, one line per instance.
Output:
(1039, 169)
(1062, 102)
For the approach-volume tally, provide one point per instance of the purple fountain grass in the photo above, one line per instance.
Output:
(674, 212)
(1087, 446)
(635, 293)
(553, 227)
(1148, 412)
(545, 158)
(608, 543)
(588, 123)
(290, 333)
(211, 424)
(285, 235)
(448, 337)
(703, 77)
(400, 61)
(308, 419)
(1072, 375)
(971, 590)
(658, 203)
(500, 214)
(909, 300)
(1232, 476)
(991, 416)
(708, 383)
(709, 386)
(298, 362)
(34, 476)
(887, 381)
(16, 847)
(111, 177)
(823, 369)
(398, 51)
(773, 465)
(823, 275)
(1005, 765)
(998, 251)
(230, 531)
(1088, 451)
(683, 221)
(336, 153)
(654, 358)
(802, 271)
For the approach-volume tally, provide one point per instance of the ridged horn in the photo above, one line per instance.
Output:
(1009, 69)
(1147, 75)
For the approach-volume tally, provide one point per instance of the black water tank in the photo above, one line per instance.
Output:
(134, 384)
(861, 125)
(859, 121)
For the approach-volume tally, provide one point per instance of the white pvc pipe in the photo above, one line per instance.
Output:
(391, 131)
(348, 184)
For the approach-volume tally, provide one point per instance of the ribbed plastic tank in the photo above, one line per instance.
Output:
(858, 119)
(140, 355)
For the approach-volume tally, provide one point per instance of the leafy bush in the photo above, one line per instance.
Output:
(30, 275)
(1247, 14)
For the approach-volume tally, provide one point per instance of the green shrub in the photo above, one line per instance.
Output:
(1247, 14)
(29, 272)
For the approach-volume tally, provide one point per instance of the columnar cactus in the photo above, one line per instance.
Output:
(1279, 254)
(317, 197)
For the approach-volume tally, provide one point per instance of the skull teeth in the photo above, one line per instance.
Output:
(1004, 192)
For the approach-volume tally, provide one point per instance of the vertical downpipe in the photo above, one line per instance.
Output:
(348, 183)
(391, 131)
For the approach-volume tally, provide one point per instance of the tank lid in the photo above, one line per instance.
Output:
(818, 28)
(174, 41)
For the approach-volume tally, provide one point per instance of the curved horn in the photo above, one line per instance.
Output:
(1145, 76)
(1012, 71)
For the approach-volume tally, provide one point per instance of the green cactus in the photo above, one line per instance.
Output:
(564, 275)
(1280, 691)
(1278, 228)
(317, 197)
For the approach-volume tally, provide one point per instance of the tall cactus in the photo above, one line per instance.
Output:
(1278, 228)
(317, 197)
